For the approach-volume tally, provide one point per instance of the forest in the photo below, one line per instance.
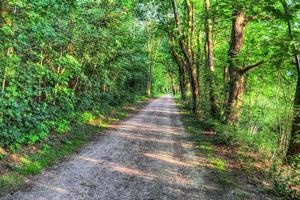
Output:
(235, 65)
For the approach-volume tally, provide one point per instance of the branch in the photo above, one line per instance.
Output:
(249, 67)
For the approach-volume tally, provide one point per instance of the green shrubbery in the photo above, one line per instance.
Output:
(70, 62)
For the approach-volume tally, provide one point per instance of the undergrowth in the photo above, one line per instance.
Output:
(231, 149)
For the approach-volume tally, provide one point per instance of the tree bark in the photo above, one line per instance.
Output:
(149, 75)
(215, 110)
(236, 78)
(172, 84)
(189, 60)
(149, 81)
(236, 72)
(199, 56)
(294, 144)
(190, 29)
(181, 69)
(236, 95)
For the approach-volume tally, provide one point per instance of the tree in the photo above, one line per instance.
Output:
(210, 61)
(180, 64)
(236, 71)
(294, 144)
(187, 53)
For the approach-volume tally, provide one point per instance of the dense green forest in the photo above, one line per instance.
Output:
(236, 63)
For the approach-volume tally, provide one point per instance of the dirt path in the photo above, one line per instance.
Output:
(145, 157)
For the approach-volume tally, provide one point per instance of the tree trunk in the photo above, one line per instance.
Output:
(189, 60)
(210, 62)
(236, 94)
(237, 79)
(190, 29)
(172, 85)
(199, 56)
(235, 71)
(149, 81)
(181, 70)
(182, 80)
(149, 75)
(294, 144)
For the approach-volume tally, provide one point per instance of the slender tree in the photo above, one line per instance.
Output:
(181, 66)
(188, 58)
(210, 61)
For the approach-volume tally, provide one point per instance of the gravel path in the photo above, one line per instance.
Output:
(144, 157)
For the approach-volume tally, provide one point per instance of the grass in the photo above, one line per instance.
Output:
(57, 147)
(218, 163)
(11, 182)
(202, 137)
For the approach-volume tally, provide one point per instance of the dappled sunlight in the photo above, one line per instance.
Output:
(164, 111)
(147, 139)
(91, 160)
(134, 172)
(54, 188)
(169, 159)
(141, 137)
(150, 129)
(154, 127)
(166, 175)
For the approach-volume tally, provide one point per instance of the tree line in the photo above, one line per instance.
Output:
(218, 47)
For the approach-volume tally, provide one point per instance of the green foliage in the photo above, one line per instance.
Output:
(62, 126)
(70, 59)
(29, 167)
(85, 117)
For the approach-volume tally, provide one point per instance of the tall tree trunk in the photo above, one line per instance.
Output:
(237, 79)
(236, 95)
(149, 81)
(189, 60)
(210, 62)
(181, 69)
(190, 28)
(294, 144)
(172, 85)
(199, 56)
(236, 72)
(149, 75)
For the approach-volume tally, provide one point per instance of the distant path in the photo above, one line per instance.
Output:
(144, 157)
